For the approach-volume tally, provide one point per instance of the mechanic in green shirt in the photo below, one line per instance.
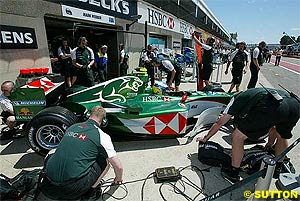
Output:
(81, 160)
(256, 113)
(83, 59)
(238, 58)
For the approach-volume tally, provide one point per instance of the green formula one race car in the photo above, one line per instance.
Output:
(47, 109)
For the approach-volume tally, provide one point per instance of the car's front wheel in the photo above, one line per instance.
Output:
(48, 127)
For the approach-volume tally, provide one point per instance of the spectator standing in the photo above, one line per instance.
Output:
(239, 64)
(278, 54)
(269, 56)
(265, 54)
(83, 58)
(81, 160)
(123, 61)
(101, 61)
(256, 62)
(67, 69)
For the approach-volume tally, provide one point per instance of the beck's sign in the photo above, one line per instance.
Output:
(12, 37)
(69, 11)
(116, 8)
(158, 18)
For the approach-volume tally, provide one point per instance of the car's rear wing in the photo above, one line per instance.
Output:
(27, 103)
(34, 96)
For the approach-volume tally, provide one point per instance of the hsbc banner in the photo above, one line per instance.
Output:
(157, 18)
(12, 37)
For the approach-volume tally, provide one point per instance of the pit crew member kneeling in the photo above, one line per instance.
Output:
(257, 113)
(81, 160)
(173, 71)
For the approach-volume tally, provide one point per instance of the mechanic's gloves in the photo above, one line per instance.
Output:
(84, 67)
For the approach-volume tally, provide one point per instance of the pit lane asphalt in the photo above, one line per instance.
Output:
(141, 157)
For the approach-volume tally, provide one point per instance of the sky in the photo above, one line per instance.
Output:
(257, 20)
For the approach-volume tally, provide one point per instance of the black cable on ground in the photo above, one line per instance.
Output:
(187, 182)
(181, 192)
(143, 186)
(108, 183)
(176, 189)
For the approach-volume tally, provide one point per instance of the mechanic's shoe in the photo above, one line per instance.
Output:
(277, 170)
(93, 194)
(5, 136)
(231, 174)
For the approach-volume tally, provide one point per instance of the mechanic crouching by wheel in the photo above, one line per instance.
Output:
(256, 112)
(7, 113)
(173, 71)
(81, 160)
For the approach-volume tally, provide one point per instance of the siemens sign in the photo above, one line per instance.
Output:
(117, 8)
(17, 38)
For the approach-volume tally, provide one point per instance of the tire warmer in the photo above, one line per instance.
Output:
(199, 59)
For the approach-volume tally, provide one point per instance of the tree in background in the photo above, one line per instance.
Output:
(286, 40)
(298, 39)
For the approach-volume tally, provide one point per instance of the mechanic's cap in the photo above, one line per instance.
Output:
(263, 44)
(210, 41)
(149, 46)
(103, 46)
(242, 43)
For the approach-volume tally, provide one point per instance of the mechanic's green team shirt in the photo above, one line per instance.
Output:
(207, 58)
(83, 56)
(238, 59)
(78, 150)
(256, 111)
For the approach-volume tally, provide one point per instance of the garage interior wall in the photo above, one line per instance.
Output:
(11, 60)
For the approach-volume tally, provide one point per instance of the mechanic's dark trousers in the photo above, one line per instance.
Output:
(85, 77)
(123, 69)
(269, 58)
(277, 61)
(74, 188)
(150, 72)
(101, 75)
(254, 76)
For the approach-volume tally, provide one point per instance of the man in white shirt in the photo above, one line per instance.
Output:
(256, 62)
(278, 56)
(173, 71)
(7, 114)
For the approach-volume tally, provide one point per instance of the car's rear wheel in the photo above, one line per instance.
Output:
(48, 127)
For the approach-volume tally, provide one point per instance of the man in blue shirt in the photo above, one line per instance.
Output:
(101, 64)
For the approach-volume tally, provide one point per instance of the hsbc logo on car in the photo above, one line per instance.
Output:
(159, 19)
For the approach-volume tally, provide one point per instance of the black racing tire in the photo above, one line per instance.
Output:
(47, 128)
